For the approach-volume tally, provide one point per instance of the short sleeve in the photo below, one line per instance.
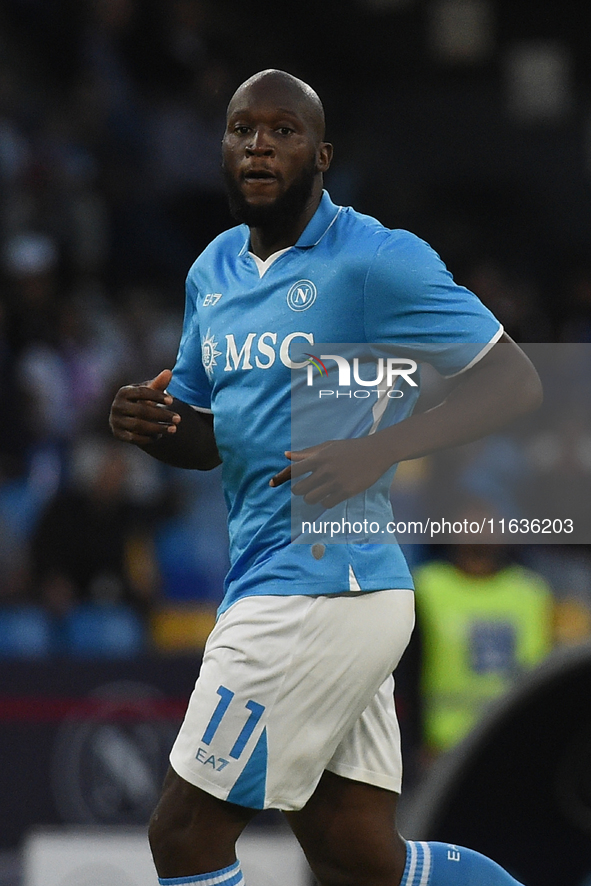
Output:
(411, 299)
(189, 381)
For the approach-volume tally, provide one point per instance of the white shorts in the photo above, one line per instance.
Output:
(291, 686)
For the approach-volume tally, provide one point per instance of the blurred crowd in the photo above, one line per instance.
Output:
(111, 114)
(110, 122)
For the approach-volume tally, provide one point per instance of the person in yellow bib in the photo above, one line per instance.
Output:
(482, 622)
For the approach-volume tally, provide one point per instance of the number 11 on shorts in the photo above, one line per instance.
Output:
(256, 712)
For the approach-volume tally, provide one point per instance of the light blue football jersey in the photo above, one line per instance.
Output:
(347, 279)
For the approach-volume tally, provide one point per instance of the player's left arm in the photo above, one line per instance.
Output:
(500, 387)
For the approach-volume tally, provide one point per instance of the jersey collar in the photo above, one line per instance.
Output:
(321, 221)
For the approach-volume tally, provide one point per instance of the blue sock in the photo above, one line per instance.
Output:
(231, 876)
(444, 864)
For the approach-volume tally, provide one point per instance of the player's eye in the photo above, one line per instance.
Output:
(241, 129)
(284, 130)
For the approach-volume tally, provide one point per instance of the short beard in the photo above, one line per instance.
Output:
(282, 211)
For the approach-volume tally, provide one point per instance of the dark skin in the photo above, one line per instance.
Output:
(166, 428)
(478, 404)
(347, 830)
(275, 129)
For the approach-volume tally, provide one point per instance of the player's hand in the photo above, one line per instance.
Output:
(336, 470)
(286, 474)
(140, 414)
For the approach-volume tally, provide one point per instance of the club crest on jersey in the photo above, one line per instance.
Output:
(302, 295)
(209, 352)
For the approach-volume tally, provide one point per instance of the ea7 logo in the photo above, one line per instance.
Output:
(211, 299)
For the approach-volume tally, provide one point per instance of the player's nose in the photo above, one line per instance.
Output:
(260, 144)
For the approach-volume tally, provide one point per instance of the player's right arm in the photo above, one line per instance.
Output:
(164, 427)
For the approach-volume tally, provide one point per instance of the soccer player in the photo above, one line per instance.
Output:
(293, 708)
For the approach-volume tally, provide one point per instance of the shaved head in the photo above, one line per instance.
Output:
(280, 86)
(274, 157)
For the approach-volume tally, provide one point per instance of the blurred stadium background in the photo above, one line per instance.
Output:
(466, 121)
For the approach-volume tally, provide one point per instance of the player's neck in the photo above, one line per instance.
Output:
(264, 241)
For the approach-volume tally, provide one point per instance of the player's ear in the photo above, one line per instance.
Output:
(324, 156)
